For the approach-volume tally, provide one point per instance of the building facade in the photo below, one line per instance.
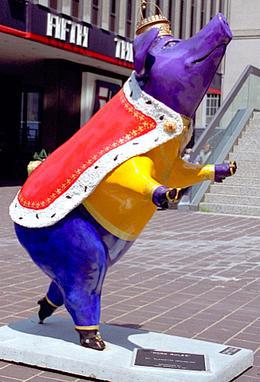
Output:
(244, 19)
(61, 60)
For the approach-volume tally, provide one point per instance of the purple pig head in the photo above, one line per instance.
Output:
(179, 72)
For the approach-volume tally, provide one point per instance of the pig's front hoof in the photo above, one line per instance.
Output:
(233, 167)
(45, 310)
(92, 340)
(224, 170)
(163, 195)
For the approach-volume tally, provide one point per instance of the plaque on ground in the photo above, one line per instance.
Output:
(55, 346)
(170, 360)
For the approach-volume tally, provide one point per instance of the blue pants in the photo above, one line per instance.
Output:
(75, 253)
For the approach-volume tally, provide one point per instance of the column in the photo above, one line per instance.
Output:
(207, 13)
(86, 11)
(66, 7)
(186, 19)
(105, 9)
(177, 20)
(216, 10)
(122, 17)
(165, 8)
(136, 15)
(197, 15)
(45, 3)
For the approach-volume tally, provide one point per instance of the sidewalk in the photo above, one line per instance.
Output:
(189, 274)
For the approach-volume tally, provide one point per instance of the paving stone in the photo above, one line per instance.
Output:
(206, 267)
(11, 379)
(19, 372)
(56, 376)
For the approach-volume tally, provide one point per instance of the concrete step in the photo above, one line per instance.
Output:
(239, 194)
(256, 116)
(250, 140)
(251, 133)
(247, 172)
(255, 119)
(245, 156)
(241, 190)
(254, 123)
(246, 146)
(237, 180)
(246, 164)
(248, 169)
(233, 199)
(230, 209)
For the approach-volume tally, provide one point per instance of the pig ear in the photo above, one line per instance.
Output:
(142, 44)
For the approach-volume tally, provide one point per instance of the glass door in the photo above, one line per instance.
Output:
(30, 122)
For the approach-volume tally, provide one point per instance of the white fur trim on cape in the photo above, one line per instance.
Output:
(91, 177)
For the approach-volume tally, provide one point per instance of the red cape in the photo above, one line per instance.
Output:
(131, 123)
(100, 135)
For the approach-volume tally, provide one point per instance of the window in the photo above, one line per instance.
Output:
(181, 30)
(53, 4)
(113, 12)
(212, 105)
(158, 8)
(104, 92)
(192, 19)
(212, 8)
(95, 12)
(18, 10)
(145, 12)
(170, 10)
(202, 14)
(222, 6)
(129, 16)
(30, 123)
(75, 8)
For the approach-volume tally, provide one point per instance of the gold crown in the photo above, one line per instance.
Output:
(158, 21)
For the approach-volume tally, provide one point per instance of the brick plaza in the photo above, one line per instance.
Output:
(190, 274)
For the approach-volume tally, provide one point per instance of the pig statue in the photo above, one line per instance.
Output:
(85, 205)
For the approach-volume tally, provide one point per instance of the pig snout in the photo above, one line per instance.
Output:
(210, 42)
(217, 30)
(225, 28)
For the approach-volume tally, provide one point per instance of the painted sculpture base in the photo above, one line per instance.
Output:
(54, 345)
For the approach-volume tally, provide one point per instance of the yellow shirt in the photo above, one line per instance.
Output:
(122, 202)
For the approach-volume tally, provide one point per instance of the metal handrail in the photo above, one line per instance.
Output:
(194, 196)
(221, 111)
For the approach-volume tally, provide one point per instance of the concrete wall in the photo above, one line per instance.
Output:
(244, 20)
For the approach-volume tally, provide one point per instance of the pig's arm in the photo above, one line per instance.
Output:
(186, 174)
(136, 175)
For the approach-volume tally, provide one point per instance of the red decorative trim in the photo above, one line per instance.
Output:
(65, 46)
(12, 31)
(213, 91)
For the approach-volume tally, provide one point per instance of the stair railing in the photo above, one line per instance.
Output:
(225, 128)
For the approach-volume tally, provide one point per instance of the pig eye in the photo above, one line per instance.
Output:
(169, 44)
